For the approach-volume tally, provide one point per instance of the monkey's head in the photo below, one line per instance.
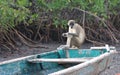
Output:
(71, 23)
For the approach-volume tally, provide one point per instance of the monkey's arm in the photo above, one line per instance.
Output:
(73, 34)
(69, 34)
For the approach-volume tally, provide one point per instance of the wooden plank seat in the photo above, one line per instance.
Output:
(60, 60)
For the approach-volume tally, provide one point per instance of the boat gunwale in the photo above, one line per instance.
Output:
(23, 58)
(82, 65)
(28, 56)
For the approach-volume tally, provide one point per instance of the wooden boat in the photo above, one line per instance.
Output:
(80, 62)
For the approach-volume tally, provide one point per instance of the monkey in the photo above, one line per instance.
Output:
(75, 35)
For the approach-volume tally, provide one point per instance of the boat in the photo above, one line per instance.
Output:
(77, 62)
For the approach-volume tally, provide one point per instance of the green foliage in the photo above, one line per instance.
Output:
(41, 5)
(113, 4)
(97, 7)
(79, 3)
(58, 22)
(53, 4)
(22, 3)
(14, 12)
(57, 4)
(55, 7)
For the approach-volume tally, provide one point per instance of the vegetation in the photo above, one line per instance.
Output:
(39, 20)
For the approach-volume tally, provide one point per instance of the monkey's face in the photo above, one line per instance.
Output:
(71, 23)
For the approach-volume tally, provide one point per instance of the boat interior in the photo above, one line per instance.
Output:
(51, 62)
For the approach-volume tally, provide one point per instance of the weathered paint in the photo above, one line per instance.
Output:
(92, 67)
(21, 66)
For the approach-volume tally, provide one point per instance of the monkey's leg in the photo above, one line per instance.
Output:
(72, 43)
(76, 42)
(69, 40)
(68, 44)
